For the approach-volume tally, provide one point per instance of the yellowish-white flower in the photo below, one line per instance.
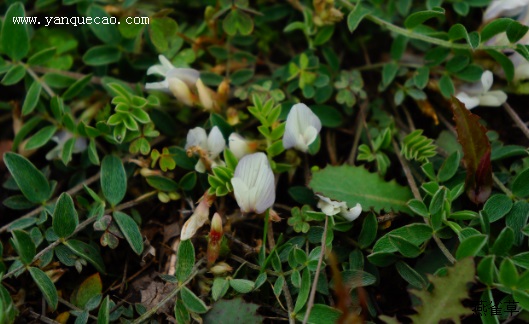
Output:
(253, 183)
(211, 145)
(198, 219)
(505, 8)
(302, 128)
(332, 207)
(61, 137)
(479, 93)
(184, 83)
(238, 145)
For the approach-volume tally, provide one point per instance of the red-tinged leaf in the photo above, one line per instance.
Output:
(476, 149)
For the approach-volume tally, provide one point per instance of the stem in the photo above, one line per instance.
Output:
(170, 296)
(72, 191)
(432, 40)
(519, 122)
(81, 226)
(417, 195)
(39, 80)
(317, 274)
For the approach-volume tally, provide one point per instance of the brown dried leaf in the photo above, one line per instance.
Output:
(476, 149)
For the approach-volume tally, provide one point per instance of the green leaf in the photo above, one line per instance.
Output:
(192, 302)
(130, 230)
(449, 167)
(104, 309)
(14, 37)
(219, 288)
(107, 32)
(41, 137)
(508, 274)
(29, 179)
(24, 246)
(88, 289)
(15, 74)
(356, 16)
(369, 231)
(415, 234)
(320, 313)
(486, 269)
(233, 311)
(504, 61)
(446, 86)
(417, 18)
(517, 220)
(523, 298)
(162, 183)
(444, 301)
(87, 252)
(389, 71)
(410, 275)
(503, 242)
(241, 76)
(67, 151)
(102, 55)
(495, 27)
(242, 286)
(323, 35)
(520, 186)
(497, 206)
(303, 290)
(516, 31)
(476, 148)
(113, 179)
(418, 207)
(335, 182)
(32, 98)
(42, 57)
(161, 30)
(46, 286)
(471, 246)
(76, 87)
(185, 261)
(65, 219)
(237, 20)
(416, 146)
(405, 248)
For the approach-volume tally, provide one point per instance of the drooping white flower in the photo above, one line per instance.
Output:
(253, 183)
(479, 93)
(505, 8)
(302, 128)
(213, 145)
(184, 83)
(61, 138)
(238, 145)
(332, 207)
(197, 220)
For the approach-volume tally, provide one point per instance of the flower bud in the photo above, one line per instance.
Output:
(301, 128)
(220, 269)
(205, 95)
(199, 217)
(163, 197)
(214, 239)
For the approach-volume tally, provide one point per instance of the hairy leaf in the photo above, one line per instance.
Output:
(343, 183)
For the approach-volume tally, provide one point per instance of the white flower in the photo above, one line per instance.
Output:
(331, 207)
(213, 145)
(61, 138)
(505, 8)
(253, 183)
(238, 145)
(302, 128)
(479, 94)
(184, 83)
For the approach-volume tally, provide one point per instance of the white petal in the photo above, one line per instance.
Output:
(164, 85)
(196, 137)
(204, 95)
(330, 207)
(216, 142)
(166, 64)
(196, 221)
(181, 91)
(200, 167)
(505, 8)
(486, 80)
(189, 76)
(469, 102)
(493, 98)
(521, 72)
(258, 192)
(238, 145)
(299, 119)
(352, 213)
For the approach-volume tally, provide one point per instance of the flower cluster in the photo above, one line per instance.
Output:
(479, 94)
(331, 207)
